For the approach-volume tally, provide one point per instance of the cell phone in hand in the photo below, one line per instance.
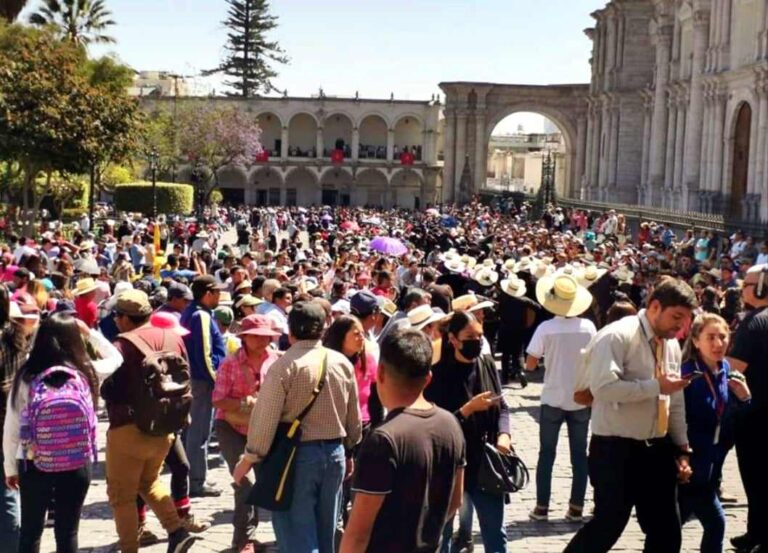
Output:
(693, 375)
(496, 398)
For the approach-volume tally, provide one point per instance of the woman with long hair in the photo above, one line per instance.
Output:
(710, 427)
(467, 384)
(58, 343)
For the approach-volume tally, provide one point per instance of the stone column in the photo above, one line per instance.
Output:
(390, 144)
(355, 143)
(659, 127)
(581, 146)
(718, 141)
(481, 158)
(761, 182)
(647, 120)
(724, 50)
(705, 163)
(606, 133)
(679, 148)
(757, 141)
(613, 146)
(669, 164)
(461, 146)
(694, 118)
(284, 143)
(596, 135)
(319, 144)
(588, 149)
(449, 147)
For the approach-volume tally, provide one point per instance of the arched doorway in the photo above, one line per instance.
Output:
(740, 173)
(337, 133)
(370, 188)
(336, 186)
(373, 137)
(301, 188)
(266, 187)
(405, 189)
(271, 133)
(409, 137)
(519, 149)
(232, 182)
(302, 136)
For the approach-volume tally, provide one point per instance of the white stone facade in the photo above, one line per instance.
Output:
(678, 106)
(301, 133)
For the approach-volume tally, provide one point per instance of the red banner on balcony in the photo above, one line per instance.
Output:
(337, 156)
(406, 158)
(262, 156)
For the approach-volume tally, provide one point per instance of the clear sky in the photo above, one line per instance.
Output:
(372, 46)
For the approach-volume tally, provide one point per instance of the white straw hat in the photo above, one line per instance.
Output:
(514, 286)
(562, 295)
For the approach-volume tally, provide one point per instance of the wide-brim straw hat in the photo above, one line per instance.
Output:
(455, 265)
(424, 315)
(590, 275)
(563, 295)
(85, 286)
(622, 274)
(525, 264)
(469, 302)
(514, 286)
(486, 277)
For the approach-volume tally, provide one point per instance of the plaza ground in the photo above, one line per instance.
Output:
(97, 531)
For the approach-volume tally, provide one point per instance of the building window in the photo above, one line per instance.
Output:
(274, 196)
(290, 197)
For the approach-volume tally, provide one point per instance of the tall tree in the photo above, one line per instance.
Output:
(249, 53)
(79, 21)
(10, 9)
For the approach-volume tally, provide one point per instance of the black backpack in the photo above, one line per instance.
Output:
(163, 407)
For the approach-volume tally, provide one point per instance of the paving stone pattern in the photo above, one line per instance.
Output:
(97, 532)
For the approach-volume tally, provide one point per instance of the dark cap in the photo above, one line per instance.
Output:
(22, 272)
(205, 283)
(364, 303)
(177, 290)
(306, 319)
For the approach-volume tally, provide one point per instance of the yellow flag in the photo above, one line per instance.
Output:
(156, 240)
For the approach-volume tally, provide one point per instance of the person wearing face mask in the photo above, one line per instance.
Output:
(467, 384)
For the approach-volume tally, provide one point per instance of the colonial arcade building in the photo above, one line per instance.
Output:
(335, 151)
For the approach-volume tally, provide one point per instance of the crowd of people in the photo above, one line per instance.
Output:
(375, 334)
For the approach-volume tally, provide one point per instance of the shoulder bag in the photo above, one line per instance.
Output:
(276, 473)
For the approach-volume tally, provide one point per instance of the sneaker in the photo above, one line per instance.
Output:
(180, 541)
(522, 379)
(190, 524)
(206, 491)
(574, 514)
(462, 544)
(540, 514)
(146, 536)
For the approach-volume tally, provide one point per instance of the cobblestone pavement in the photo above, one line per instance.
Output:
(97, 532)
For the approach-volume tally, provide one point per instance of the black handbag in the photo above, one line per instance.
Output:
(501, 473)
(276, 473)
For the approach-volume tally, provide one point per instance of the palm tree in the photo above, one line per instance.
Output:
(10, 9)
(80, 21)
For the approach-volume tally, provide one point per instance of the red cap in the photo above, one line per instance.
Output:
(167, 321)
(258, 325)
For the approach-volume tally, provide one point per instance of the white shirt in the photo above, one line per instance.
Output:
(560, 341)
(762, 259)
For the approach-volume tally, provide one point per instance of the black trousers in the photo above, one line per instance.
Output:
(68, 490)
(624, 474)
(750, 429)
(178, 464)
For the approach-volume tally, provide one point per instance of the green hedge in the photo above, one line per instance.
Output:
(172, 198)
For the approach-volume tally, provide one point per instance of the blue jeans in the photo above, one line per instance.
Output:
(550, 421)
(309, 526)
(199, 432)
(703, 502)
(10, 515)
(490, 514)
(465, 516)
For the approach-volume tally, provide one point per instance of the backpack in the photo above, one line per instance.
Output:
(58, 425)
(163, 406)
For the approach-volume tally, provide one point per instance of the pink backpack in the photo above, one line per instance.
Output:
(58, 426)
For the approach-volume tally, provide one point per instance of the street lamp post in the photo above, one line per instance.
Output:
(153, 168)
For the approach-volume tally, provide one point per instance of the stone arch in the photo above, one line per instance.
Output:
(406, 189)
(337, 127)
(302, 186)
(409, 133)
(742, 127)
(468, 127)
(271, 126)
(374, 131)
(371, 186)
(302, 135)
(266, 187)
(233, 181)
(336, 184)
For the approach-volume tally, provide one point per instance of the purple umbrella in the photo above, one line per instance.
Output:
(327, 217)
(389, 246)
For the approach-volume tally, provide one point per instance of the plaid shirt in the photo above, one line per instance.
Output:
(11, 361)
(238, 378)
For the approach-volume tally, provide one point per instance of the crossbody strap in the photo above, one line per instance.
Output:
(319, 385)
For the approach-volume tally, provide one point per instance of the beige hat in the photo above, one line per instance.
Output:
(133, 303)
(424, 315)
(248, 300)
(469, 261)
(590, 275)
(509, 265)
(562, 295)
(455, 265)
(469, 302)
(513, 286)
(544, 269)
(623, 274)
(84, 286)
(525, 264)
(485, 276)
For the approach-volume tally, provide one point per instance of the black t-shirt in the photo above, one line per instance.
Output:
(750, 344)
(412, 459)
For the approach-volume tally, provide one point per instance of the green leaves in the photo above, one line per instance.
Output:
(81, 22)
